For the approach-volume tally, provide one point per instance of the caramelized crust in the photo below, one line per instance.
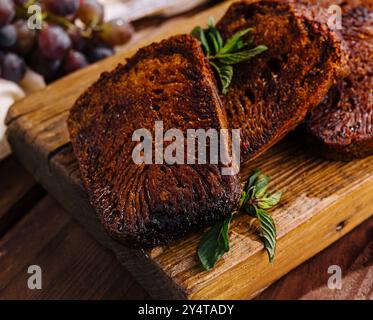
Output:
(342, 125)
(148, 205)
(272, 93)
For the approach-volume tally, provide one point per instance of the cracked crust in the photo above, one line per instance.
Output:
(148, 205)
(342, 125)
(272, 93)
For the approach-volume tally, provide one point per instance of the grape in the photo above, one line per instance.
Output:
(74, 60)
(25, 37)
(54, 42)
(99, 53)
(48, 68)
(19, 2)
(7, 12)
(61, 7)
(90, 12)
(8, 36)
(79, 42)
(116, 32)
(13, 67)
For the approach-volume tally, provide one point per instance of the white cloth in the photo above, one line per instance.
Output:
(135, 9)
(11, 92)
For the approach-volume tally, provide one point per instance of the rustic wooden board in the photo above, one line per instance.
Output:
(18, 192)
(322, 200)
(73, 264)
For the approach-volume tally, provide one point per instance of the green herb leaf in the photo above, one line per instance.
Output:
(214, 244)
(267, 232)
(269, 201)
(236, 42)
(199, 34)
(255, 201)
(252, 180)
(239, 56)
(211, 22)
(225, 73)
(222, 56)
(261, 186)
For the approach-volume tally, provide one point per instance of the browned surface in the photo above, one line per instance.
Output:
(342, 126)
(320, 197)
(148, 205)
(272, 93)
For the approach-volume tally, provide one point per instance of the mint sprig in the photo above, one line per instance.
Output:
(222, 56)
(214, 243)
(255, 201)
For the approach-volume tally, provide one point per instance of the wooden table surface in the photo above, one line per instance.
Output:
(35, 230)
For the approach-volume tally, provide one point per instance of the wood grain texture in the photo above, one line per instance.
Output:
(74, 265)
(19, 192)
(322, 200)
(353, 254)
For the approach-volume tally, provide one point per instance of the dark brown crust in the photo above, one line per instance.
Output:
(272, 93)
(342, 125)
(149, 205)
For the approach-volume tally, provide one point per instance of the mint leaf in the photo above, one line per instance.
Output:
(199, 34)
(236, 42)
(269, 201)
(211, 22)
(222, 56)
(255, 201)
(252, 179)
(225, 73)
(214, 244)
(239, 56)
(261, 186)
(267, 232)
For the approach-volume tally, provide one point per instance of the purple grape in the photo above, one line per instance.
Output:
(90, 12)
(99, 53)
(79, 42)
(116, 32)
(74, 60)
(54, 42)
(20, 2)
(25, 37)
(61, 7)
(7, 12)
(13, 67)
(48, 68)
(8, 36)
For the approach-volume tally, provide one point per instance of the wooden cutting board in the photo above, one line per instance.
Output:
(322, 200)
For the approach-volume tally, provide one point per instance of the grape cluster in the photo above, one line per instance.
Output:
(72, 35)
